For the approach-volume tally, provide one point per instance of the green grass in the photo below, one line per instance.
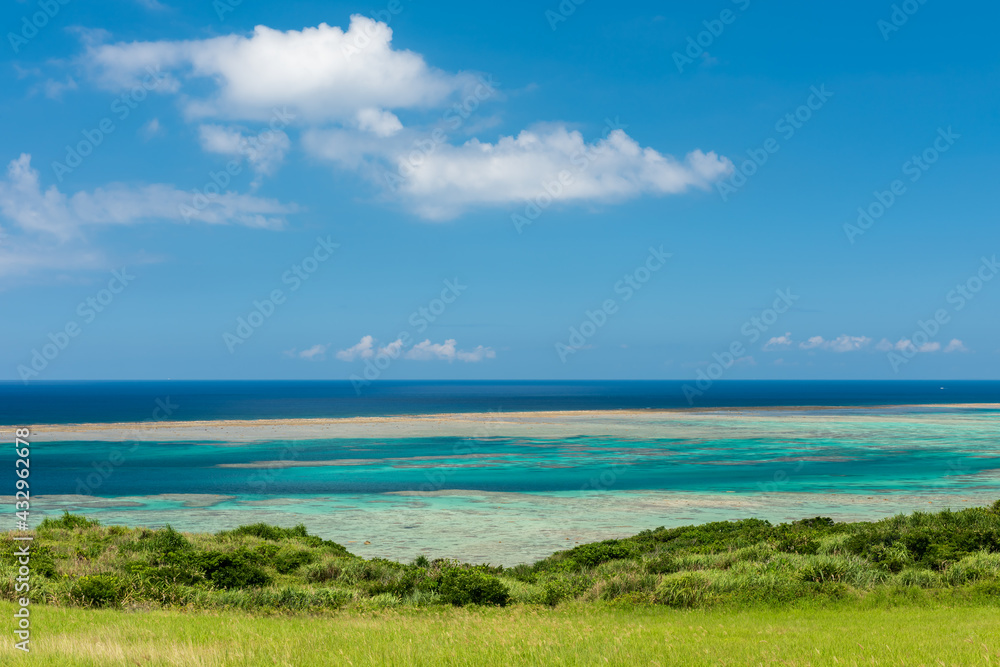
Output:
(572, 634)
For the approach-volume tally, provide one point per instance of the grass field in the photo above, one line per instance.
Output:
(571, 634)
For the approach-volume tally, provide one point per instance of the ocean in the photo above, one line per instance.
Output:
(511, 484)
(78, 402)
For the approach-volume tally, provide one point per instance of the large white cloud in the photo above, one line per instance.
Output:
(322, 73)
(550, 162)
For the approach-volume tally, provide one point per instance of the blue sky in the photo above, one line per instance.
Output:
(524, 190)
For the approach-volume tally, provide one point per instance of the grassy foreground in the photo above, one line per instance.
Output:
(568, 635)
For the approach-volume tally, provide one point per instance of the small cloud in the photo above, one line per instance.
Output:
(778, 342)
(315, 353)
(930, 347)
(815, 341)
(745, 361)
(842, 343)
(53, 89)
(955, 345)
(151, 129)
(426, 351)
(264, 151)
(392, 349)
(362, 348)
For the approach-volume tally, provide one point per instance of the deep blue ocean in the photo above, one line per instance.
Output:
(131, 401)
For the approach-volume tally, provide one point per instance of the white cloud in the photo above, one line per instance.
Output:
(778, 342)
(314, 353)
(930, 347)
(955, 345)
(392, 349)
(477, 354)
(54, 89)
(321, 73)
(426, 350)
(423, 351)
(264, 151)
(514, 169)
(842, 343)
(47, 220)
(363, 349)
(151, 129)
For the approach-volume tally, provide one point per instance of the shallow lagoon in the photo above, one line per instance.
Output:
(511, 487)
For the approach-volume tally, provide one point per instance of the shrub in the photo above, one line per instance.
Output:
(289, 560)
(893, 558)
(462, 586)
(684, 589)
(232, 570)
(97, 590)
(68, 522)
(268, 532)
(589, 555)
(662, 564)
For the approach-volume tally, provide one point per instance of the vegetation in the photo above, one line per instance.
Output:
(571, 634)
(922, 558)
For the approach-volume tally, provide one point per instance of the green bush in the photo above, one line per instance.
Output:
(589, 555)
(232, 570)
(68, 522)
(289, 560)
(462, 586)
(97, 590)
(684, 589)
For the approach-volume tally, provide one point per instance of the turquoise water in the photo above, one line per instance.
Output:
(452, 495)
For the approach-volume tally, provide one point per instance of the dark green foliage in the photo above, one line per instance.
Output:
(590, 555)
(68, 522)
(466, 585)
(289, 560)
(97, 590)
(232, 570)
(421, 561)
